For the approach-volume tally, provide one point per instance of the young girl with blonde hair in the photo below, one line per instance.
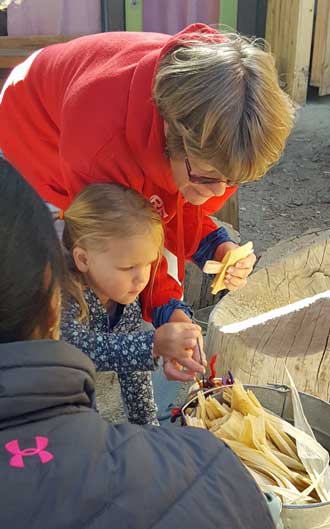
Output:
(113, 239)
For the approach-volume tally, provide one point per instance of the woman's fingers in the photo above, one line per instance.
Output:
(172, 372)
(190, 337)
(193, 365)
(236, 275)
(190, 343)
(235, 282)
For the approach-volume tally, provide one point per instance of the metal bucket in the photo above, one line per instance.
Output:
(277, 399)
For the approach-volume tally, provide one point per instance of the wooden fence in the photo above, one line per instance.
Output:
(298, 32)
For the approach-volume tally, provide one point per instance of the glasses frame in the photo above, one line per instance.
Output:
(201, 180)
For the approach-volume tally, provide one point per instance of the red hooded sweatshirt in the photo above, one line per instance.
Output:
(82, 112)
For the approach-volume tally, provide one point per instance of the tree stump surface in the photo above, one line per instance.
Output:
(258, 353)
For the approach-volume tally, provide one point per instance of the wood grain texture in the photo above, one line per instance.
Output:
(325, 65)
(289, 28)
(298, 340)
(318, 41)
(320, 68)
(14, 50)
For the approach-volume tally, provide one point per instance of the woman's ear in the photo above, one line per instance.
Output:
(80, 258)
(165, 128)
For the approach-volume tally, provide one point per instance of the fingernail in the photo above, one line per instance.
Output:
(228, 276)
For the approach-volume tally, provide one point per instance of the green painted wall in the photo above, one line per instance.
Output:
(228, 14)
(134, 15)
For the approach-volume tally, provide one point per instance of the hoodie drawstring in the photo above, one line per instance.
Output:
(180, 237)
(180, 243)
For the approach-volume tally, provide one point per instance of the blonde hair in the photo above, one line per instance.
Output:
(223, 105)
(99, 213)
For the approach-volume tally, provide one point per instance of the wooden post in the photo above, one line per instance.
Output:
(229, 213)
(320, 71)
(289, 28)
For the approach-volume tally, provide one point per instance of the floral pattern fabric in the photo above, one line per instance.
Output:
(121, 346)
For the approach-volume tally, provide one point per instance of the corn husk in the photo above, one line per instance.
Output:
(230, 259)
(284, 459)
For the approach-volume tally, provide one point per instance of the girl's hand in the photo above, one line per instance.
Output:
(177, 343)
(236, 275)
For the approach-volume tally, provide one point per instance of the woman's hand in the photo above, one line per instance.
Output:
(236, 275)
(174, 371)
(177, 343)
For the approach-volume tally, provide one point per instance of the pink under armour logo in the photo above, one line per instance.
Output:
(17, 459)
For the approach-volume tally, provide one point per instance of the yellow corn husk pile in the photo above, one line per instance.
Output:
(283, 459)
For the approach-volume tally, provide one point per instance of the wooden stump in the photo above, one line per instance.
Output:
(296, 337)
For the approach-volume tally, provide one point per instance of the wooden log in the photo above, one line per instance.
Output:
(296, 337)
(284, 249)
(289, 28)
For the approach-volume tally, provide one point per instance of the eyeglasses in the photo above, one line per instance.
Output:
(202, 180)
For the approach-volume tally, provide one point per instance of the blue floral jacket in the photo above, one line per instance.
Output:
(120, 346)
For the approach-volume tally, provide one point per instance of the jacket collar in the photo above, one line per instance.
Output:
(39, 377)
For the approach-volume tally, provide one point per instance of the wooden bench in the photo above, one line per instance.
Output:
(14, 50)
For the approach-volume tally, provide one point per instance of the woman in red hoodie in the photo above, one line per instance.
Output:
(182, 119)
